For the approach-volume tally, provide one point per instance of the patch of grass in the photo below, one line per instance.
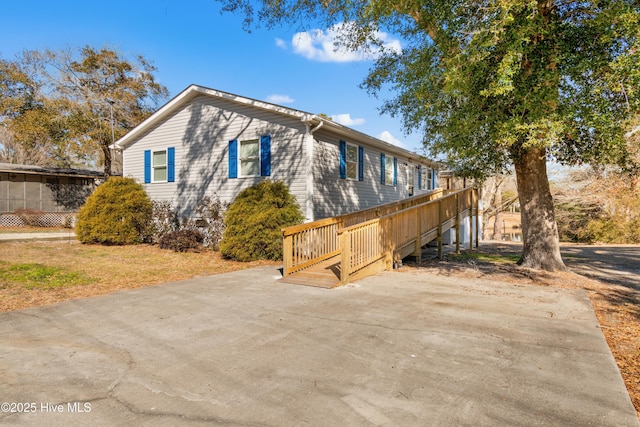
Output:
(485, 257)
(106, 268)
(38, 276)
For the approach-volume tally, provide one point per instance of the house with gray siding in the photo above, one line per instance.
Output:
(205, 142)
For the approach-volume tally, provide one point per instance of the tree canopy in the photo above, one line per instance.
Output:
(495, 83)
(56, 107)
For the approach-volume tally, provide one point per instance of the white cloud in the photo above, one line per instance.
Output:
(319, 45)
(280, 99)
(345, 119)
(281, 43)
(387, 137)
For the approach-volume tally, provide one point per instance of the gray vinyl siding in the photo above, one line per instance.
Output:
(335, 196)
(200, 133)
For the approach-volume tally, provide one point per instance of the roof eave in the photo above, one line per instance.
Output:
(191, 92)
(384, 146)
(156, 117)
(308, 118)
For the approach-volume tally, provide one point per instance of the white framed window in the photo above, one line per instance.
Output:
(249, 157)
(410, 180)
(159, 166)
(352, 161)
(388, 170)
(427, 178)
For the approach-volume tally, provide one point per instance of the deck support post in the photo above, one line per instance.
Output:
(440, 229)
(457, 223)
(471, 224)
(388, 247)
(287, 254)
(418, 248)
(345, 257)
(476, 193)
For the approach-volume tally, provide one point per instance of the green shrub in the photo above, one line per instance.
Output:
(184, 240)
(254, 220)
(616, 229)
(117, 213)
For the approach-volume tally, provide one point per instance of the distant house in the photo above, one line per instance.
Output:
(30, 191)
(44, 189)
(205, 142)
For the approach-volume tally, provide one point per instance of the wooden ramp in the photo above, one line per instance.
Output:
(367, 242)
(323, 275)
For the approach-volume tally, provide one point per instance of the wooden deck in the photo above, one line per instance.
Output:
(323, 275)
(334, 251)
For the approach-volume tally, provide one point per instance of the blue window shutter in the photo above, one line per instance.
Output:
(171, 164)
(420, 177)
(382, 168)
(343, 159)
(395, 171)
(360, 163)
(435, 181)
(233, 158)
(265, 155)
(147, 166)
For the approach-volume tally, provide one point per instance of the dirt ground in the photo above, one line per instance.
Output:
(610, 274)
(107, 269)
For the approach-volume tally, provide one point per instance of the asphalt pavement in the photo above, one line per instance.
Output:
(243, 349)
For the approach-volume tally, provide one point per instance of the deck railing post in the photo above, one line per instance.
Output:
(345, 257)
(470, 197)
(418, 251)
(388, 251)
(476, 193)
(457, 222)
(287, 253)
(440, 229)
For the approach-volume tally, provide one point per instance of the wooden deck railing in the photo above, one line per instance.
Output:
(308, 244)
(370, 241)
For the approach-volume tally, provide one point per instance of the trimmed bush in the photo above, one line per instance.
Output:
(254, 220)
(117, 213)
(184, 240)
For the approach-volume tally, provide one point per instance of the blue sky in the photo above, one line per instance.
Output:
(189, 41)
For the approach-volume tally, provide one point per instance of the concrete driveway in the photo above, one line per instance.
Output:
(241, 349)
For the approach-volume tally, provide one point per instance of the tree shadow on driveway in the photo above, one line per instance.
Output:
(615, 266)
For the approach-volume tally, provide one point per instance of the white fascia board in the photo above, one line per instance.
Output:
(311, 119)
(191, 92)
(376, 143)
(156, 117)
(254, 103)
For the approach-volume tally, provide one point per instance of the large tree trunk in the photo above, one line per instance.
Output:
(539, 228)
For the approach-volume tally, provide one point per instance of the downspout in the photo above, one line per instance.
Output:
(316, 128)
(309, 140)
